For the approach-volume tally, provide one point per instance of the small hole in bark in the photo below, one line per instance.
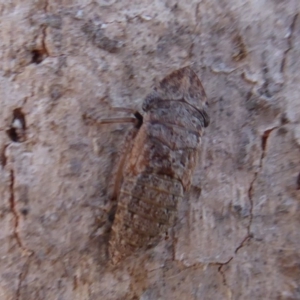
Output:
(112, 213)
(16, 132)
(264, 139)
(284, 119)
(166, 236)
(24, 211)
(111, 217)
(12, 134)
(37, 56)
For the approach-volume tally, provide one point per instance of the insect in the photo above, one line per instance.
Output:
(159, 167)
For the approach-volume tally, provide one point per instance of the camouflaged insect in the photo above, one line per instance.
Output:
(159, 168)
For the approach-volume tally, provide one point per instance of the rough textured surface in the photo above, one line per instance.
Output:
(238, 231)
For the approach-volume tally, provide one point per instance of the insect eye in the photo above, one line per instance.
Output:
(139, 118)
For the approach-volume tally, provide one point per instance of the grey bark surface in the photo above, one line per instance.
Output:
(66, 64)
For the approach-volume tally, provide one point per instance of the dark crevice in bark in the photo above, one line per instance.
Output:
(264, 140)
(298, 182)
(245, 240)
(14, 211)
(222, 273)
(17, 130)
(24, 250)
(3, 158)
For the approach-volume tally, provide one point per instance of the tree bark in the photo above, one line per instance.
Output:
(65, 66)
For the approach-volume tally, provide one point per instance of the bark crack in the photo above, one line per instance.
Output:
(222, 273)
(24, 250)
(16, 217)
(14, 211)
(200, 265)
(264, 140)
(22, 276)
(3, 158)
(289, 42)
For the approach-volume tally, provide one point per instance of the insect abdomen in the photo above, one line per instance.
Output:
(146, 208)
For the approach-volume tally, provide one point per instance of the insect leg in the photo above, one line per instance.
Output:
(137, 120)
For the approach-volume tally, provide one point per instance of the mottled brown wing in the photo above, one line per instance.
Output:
(160, 164)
